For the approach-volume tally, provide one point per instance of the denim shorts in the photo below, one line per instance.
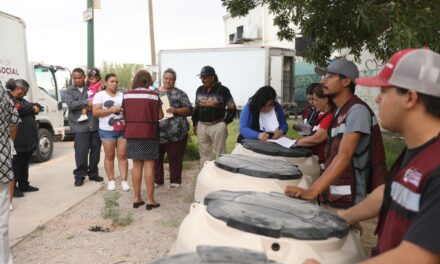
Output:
(110, 135)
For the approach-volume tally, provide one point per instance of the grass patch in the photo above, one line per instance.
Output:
(233, 132)
(393, 147)
(189, 199)
(110, 210)
(188, 165)
(172, 223)
(40, 228)
(192, 148)
(290, 132)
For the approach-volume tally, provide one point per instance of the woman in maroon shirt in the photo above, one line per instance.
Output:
(142, 112)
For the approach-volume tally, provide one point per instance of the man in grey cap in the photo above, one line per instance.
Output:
(408, 205)
(355, 148)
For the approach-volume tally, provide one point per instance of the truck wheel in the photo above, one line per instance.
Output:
(45, 145)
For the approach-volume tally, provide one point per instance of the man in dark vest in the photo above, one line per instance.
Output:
(408, 204)
(355, 148)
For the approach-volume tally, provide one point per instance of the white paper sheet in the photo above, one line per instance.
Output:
(269, 121)
(165, 106)
(284, 141)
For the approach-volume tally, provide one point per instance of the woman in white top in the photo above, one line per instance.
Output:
(107, 105)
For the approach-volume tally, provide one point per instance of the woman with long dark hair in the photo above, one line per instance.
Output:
(142, 111)
(262, 117)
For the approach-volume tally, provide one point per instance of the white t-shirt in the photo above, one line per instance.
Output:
(269, 121)
(112, 122)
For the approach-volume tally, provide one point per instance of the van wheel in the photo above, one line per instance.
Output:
(45, 145)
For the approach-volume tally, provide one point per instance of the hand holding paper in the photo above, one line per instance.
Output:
(165, 106)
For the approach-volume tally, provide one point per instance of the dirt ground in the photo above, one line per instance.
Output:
(66, 238)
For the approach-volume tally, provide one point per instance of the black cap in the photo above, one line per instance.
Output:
(207, 71)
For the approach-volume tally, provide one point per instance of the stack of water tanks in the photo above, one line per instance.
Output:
(241, 214)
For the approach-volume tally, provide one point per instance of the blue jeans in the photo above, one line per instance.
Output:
(110, 135)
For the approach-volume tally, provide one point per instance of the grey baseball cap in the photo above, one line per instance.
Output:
(414, 69)
(341, 66)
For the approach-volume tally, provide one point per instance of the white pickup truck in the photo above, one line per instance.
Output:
(46, 82)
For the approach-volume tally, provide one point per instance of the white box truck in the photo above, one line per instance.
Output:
(242, 69)
(46, 82)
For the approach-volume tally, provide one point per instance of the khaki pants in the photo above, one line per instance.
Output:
(5, 254)
(211, 138)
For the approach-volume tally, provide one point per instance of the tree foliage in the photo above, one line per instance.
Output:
(125, 72)
(379, 26)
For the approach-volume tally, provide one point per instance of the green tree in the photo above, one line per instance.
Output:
(125, 72)
(379, 26)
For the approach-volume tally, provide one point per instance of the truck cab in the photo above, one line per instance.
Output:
(47, 85)
(46, 82)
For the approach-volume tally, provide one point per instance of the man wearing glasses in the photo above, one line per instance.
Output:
(214, 109)
(355, 147)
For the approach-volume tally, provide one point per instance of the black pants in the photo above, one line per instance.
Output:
(87, 154)
(175, 152)
(20, 166)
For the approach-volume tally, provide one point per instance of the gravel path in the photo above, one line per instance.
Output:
(66, 238)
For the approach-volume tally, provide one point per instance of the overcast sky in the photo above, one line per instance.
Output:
(56, 32)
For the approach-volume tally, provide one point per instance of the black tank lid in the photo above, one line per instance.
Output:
(258, 167)
(273, 149)
(275, 215)
(218, 255)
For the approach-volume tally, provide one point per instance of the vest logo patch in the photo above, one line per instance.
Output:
(341, 118)
(412, 176)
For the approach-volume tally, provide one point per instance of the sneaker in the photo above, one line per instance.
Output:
(156, 185)
(28, 188)
(125, 186)
(79, 182)
(11, 207)
(96, 178)
(111, 185)
(83, 118)
(18, 193)
(174, 186)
